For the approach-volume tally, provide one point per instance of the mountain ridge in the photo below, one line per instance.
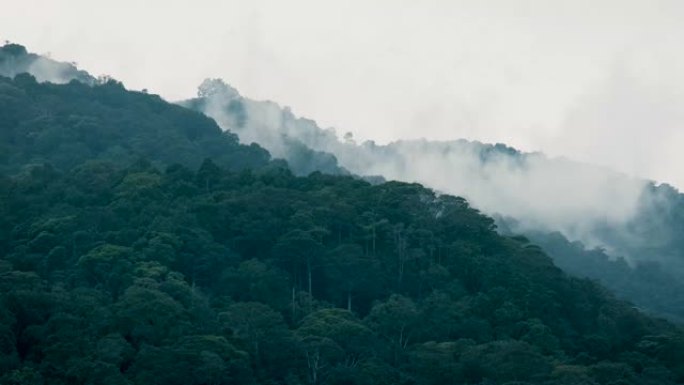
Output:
(185, 257)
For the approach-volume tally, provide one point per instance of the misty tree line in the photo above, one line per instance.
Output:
(635, 219)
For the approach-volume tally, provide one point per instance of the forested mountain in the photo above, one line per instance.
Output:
(628, 219)
(139, 244)
(651, 238)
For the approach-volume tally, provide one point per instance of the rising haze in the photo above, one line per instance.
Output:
(596, 82)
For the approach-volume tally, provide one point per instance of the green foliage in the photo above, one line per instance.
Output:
(652, 286)
(67, 125)
(116, 270)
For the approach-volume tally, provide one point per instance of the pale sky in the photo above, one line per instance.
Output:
(599, 81)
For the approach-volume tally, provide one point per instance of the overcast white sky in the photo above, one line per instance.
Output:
(600, 81)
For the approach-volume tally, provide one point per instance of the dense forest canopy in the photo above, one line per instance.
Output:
(140, 244)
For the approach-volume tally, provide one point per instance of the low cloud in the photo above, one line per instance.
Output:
(541, 193)
(14, 60)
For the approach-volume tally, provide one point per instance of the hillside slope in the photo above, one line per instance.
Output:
(153, 267)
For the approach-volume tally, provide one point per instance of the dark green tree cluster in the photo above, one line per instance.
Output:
(142, 276)
(66, 125)
(231, 270)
